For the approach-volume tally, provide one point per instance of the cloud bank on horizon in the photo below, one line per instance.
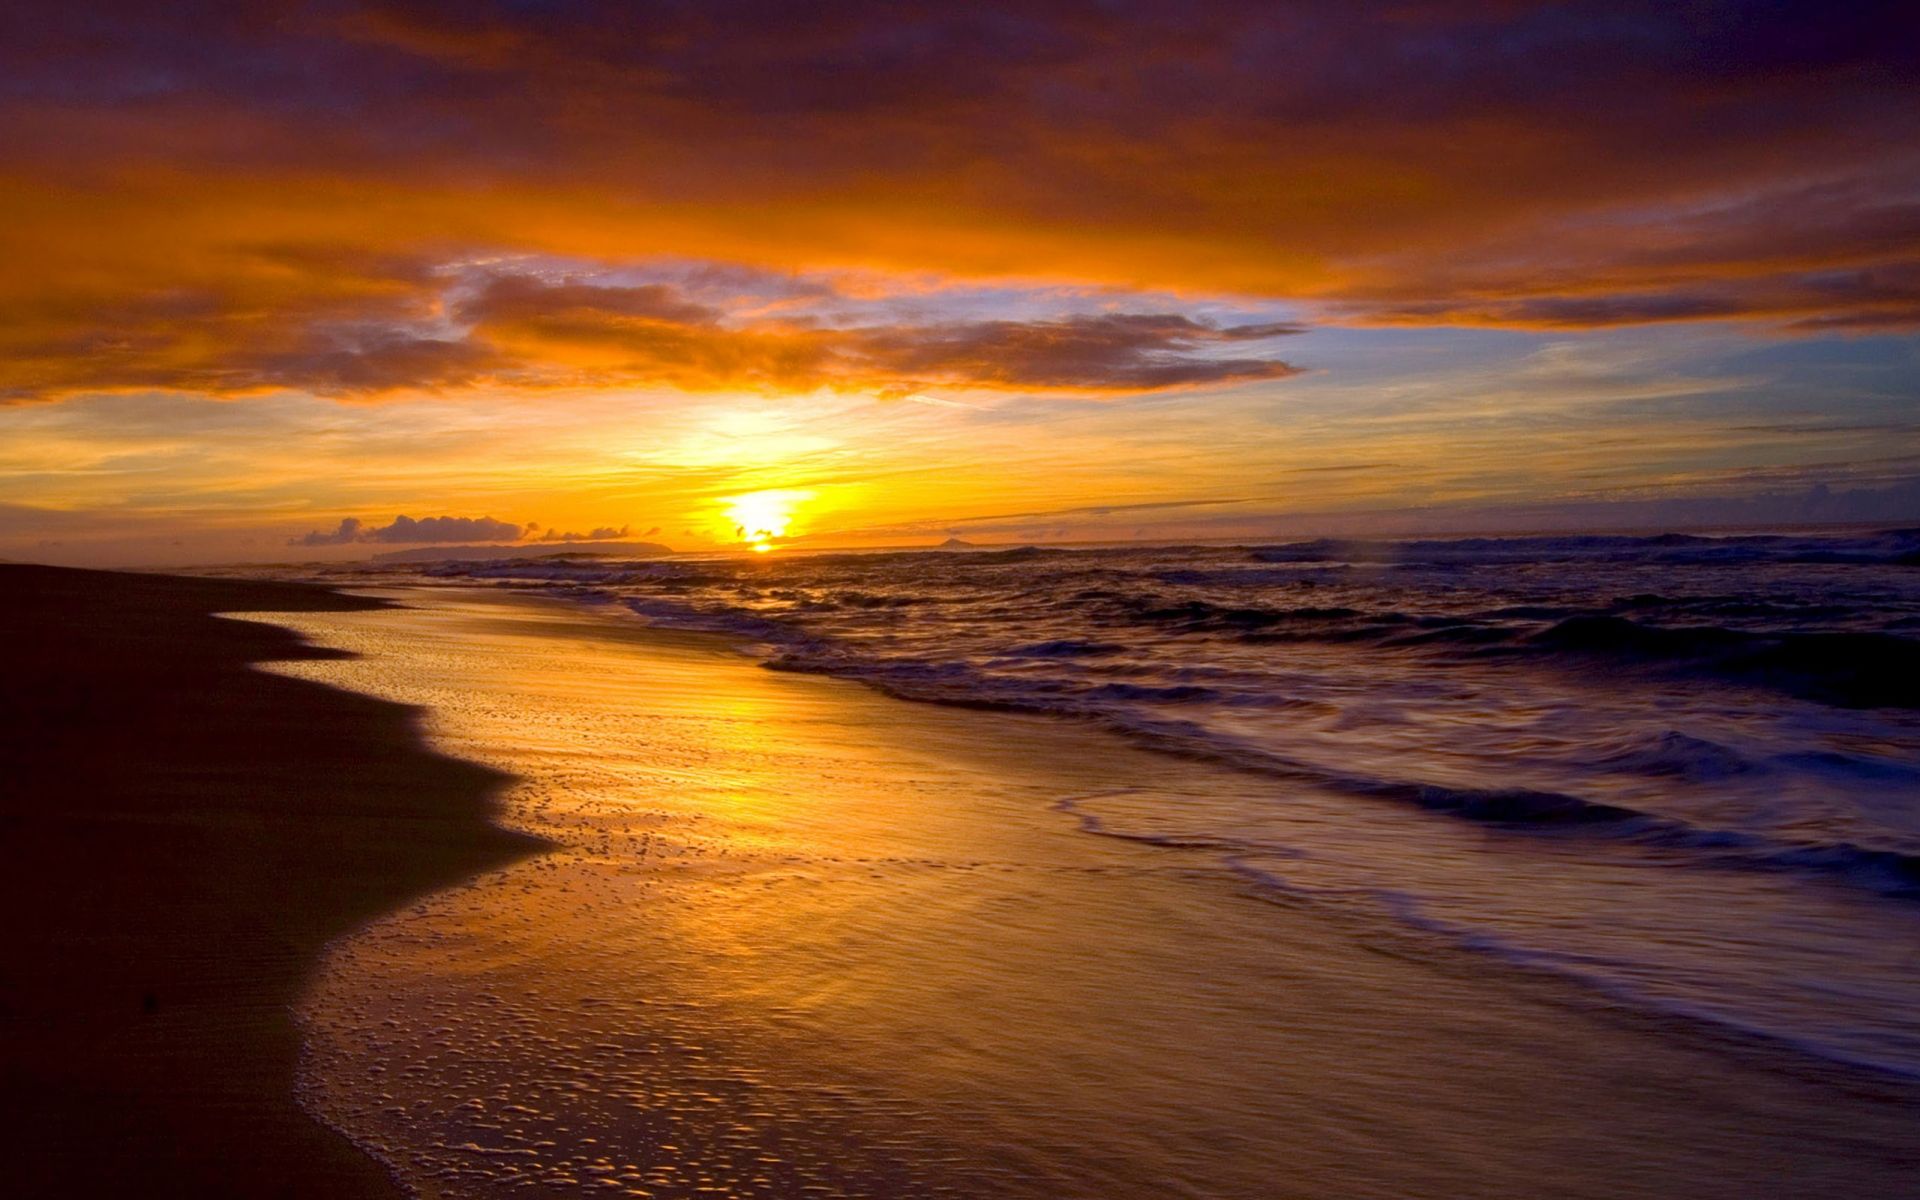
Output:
(976, 206)
(426, 531)
(453, 531)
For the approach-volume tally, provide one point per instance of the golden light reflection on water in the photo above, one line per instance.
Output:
(796, 935)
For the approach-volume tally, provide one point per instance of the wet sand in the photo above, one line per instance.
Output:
(799, 938)
(184, 834)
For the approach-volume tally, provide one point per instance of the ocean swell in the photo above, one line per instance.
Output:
(1676, 766)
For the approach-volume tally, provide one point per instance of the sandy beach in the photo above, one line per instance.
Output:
(184, 834)
(456, 892)
(800, 938)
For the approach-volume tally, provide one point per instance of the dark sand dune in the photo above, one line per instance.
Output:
(182, 835)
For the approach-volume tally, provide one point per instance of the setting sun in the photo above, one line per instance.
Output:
(763, 518)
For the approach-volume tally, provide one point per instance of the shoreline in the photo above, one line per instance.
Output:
(811, 928)
(1595, 999)
(780, 901)
(1601, 997)
(193, 833)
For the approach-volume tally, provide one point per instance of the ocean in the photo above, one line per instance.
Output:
(1681, 770)
(1571, 867)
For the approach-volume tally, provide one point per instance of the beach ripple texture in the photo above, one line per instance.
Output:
(1683, 770)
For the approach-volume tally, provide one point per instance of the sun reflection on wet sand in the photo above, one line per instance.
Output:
(799, 938)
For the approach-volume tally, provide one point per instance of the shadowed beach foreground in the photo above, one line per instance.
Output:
(184, 833)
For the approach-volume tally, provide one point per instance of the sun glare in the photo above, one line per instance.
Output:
(762, 518)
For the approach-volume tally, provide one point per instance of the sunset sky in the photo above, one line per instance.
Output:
(275, 275)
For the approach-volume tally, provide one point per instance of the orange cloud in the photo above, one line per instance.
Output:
(262, 197)
(650, 334)
(514, 331)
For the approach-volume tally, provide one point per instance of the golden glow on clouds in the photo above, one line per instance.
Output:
(903, 271)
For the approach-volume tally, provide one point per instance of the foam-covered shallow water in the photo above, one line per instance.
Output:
(1682, 769)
